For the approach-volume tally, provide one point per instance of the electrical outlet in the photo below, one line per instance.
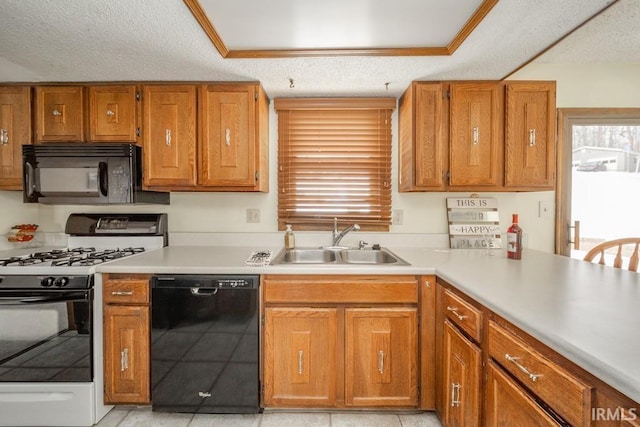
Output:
(398, 217)
(253, 215)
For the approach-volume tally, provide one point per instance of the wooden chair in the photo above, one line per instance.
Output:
(617, 261)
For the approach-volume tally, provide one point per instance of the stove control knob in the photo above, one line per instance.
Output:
(47, 282)
(61, 282)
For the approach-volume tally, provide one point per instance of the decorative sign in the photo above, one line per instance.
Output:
(474, 223)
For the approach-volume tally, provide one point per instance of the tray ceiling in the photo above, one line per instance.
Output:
(281, 28)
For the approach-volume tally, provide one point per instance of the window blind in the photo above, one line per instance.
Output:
(334, 161)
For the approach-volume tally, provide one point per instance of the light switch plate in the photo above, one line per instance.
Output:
(253, 216)
(544, 209)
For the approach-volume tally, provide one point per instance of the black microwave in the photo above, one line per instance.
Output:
(85, 174)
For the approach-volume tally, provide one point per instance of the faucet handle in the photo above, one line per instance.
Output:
(362, 244)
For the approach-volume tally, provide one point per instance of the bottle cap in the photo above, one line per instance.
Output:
(515, 217)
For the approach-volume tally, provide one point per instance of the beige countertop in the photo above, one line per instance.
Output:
(586, 312)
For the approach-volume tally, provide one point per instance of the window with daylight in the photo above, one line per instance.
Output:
(334, 161)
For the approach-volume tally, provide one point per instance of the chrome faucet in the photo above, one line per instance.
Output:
(338, 235)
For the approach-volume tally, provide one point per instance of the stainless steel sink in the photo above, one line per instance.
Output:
(365, 256)
(343, 257)
(305, 256)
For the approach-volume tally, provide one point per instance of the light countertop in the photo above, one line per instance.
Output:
(586, 312)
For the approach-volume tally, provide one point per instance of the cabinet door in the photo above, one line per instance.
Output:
(422, 148)
(228, 154)
(381, 357)
(169, 136)
(59, 113)
(509, 405)
(126, 354)
(475, 135)
(300, 356)
(15, 130)
(530, 135)
(112, 113)
(461, 384)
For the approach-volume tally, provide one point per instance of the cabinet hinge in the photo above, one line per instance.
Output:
(255, 96)
(138, 131)
(448, 94)
(138, 95)
(257, 175)
(262, 320)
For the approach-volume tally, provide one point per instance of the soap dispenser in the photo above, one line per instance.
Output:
(289, 238)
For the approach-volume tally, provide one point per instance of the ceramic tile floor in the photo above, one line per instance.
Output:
(144, 417)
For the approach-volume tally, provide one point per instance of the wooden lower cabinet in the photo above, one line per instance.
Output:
(126, 356)
(509, 405)
(300, 356)
(340, 341)
(126, 325)
(461, 379)
(381, 357)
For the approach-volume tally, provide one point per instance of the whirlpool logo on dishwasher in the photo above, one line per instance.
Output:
(204, 394)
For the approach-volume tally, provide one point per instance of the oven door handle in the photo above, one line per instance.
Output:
(43, 299)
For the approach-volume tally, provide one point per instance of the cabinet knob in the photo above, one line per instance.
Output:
(227, 136)
(476, 135)
(110, 113)
(167, 137)
(300, 362)
(4, 136)
(56, 113)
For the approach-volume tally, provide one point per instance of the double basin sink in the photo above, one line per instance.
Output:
(333, 256)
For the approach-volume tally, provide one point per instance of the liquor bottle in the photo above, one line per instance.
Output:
(514, 240)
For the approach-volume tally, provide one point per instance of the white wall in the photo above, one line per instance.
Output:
(578, 86)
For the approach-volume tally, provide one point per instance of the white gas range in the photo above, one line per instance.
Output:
(51, 371)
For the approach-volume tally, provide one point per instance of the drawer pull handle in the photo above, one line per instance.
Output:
(514, 360)
(454, 310)
(381, 362)
(455, 394)
(124, 359)
(300, 362)
(122, 293)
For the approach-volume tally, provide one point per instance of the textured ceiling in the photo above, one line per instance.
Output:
(160, 40)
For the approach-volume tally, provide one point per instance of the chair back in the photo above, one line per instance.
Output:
(600, 249)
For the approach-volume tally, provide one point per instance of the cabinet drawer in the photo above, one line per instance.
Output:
(463, 314)
(564, 393)
(126, 291)
(341, 289)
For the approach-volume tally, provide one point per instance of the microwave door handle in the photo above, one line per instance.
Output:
(103, 175)
(29, 174)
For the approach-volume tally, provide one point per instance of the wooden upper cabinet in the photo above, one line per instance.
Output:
(234, 141)
(15, 130)
(422, 143)
(112, 113)
(475, 135)
(169, 135)
(530, 135)
(59, 113)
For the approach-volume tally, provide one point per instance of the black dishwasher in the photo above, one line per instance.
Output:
(204, 343)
